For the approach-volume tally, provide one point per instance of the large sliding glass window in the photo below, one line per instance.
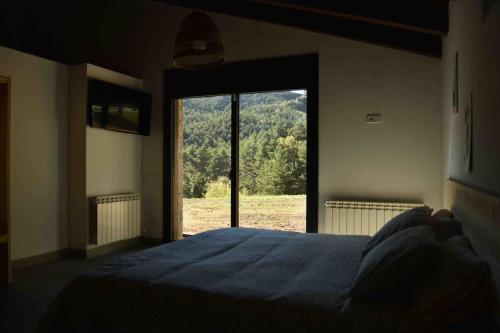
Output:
(269, 191)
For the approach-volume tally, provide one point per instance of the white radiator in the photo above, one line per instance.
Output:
(114, 218)
(361, 218)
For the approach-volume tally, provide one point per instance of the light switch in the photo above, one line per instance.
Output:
(374, 118)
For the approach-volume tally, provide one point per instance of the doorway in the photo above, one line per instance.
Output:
(240, 147)
(265, 185)
(5, 266)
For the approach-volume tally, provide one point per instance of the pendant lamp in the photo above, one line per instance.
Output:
(198, 44)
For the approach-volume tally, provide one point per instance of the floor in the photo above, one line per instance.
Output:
(23, 302)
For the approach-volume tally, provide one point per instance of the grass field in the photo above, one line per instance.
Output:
(278, 212)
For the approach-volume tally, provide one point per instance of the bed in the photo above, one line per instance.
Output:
(229, 280)
(248, 280)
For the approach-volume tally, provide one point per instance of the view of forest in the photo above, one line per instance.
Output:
(273, 132)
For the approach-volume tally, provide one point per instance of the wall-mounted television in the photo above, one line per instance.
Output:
(117, 108)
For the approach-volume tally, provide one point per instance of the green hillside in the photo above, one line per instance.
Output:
(272, 144)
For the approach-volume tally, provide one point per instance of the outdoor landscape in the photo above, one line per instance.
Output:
(273, 132)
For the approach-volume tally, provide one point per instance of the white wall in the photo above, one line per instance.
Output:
(477, 40)
(401, 159)
(113, 162)
(77, 138)
(44, 156)
(39, 91)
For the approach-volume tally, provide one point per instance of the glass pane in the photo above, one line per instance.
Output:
(205, 124)
(273, 134)
(97, 118)
(123, 118)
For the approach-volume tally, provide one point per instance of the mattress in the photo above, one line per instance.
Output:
(228, 280)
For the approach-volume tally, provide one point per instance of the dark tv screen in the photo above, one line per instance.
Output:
(117, 108)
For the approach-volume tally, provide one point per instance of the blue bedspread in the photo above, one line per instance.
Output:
(228, 280)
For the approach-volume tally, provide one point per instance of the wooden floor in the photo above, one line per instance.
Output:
(23, 302)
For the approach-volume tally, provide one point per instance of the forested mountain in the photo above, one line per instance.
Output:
(272, 144)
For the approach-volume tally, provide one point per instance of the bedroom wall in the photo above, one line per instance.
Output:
(400, 159)
(77, 199)
(38, 160)
(52, 174)
(476, 38)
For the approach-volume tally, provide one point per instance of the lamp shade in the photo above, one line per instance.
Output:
(198, 44)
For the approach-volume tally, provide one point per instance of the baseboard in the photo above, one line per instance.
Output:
(96, 251)
(152, 241)
(91, 252)
(40, 259)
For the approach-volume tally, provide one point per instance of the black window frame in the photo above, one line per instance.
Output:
(276, 74)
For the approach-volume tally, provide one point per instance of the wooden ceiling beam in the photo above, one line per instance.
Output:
(382, 35)
(441, 30)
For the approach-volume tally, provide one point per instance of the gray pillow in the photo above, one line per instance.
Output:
(394, 269)
(445, 227)
(411, 218)
(443, 213)
(462, 288)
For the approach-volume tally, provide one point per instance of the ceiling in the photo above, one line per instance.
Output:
(78, 31)
(412, 25)
(98, 31)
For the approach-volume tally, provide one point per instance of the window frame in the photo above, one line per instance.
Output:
(276, 74)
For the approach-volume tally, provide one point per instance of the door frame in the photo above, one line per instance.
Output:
(5, 262)
(275, 74)
(235, 163)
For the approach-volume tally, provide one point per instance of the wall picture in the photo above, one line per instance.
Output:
(468, 135)
(455, 86)
(488, 6)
